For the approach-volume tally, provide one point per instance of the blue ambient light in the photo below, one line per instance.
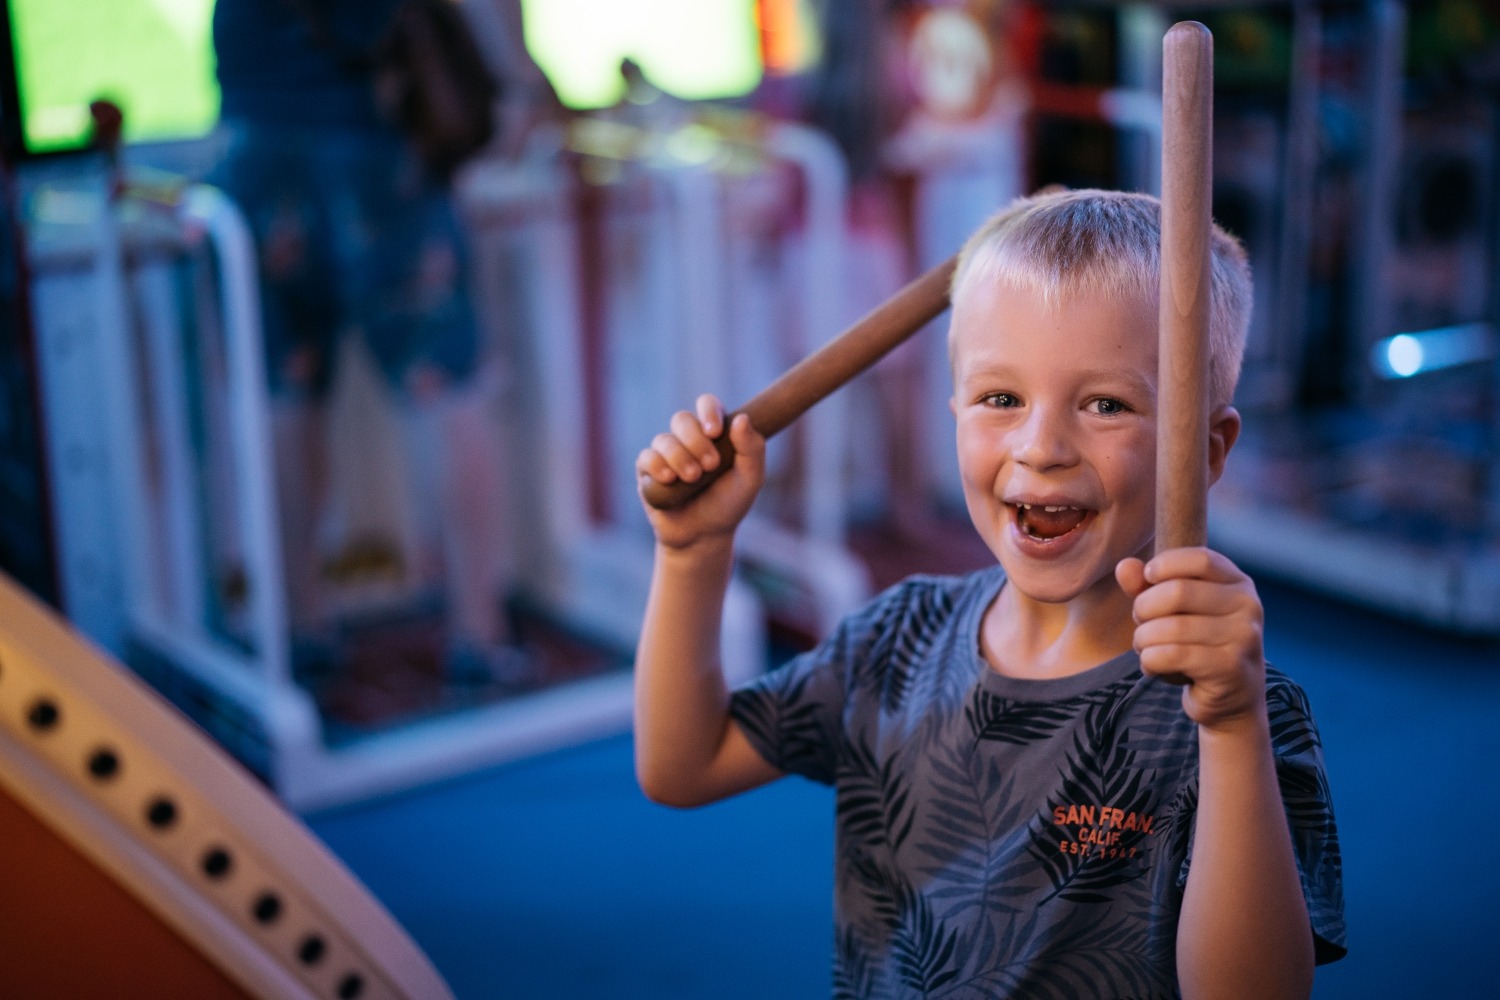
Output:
(1407, 354)
(1403, 355)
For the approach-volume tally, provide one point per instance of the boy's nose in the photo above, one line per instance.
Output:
(1043, 441)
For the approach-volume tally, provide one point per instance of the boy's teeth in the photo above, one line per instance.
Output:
(1047, 521)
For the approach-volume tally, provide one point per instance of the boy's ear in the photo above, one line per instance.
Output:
(1223, 432)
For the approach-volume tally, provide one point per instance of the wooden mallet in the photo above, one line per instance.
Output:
(1182, 443)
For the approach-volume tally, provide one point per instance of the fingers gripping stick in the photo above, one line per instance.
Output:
(1182, 378)
(820, 373)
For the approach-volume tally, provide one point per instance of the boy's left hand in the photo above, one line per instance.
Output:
(1199, 623)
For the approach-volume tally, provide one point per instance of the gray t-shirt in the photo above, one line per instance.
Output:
(1013, 838)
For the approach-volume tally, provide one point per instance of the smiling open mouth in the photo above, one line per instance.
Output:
(1047, 522)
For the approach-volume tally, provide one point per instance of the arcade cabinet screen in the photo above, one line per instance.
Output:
(154, 58)
(693, 49)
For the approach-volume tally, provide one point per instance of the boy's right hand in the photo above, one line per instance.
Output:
(686, 452)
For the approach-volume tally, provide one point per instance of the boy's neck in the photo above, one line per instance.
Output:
(1029, 639)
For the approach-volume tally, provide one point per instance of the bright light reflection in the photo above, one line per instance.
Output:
(1403, 355)
(693, 144)
(695, 49)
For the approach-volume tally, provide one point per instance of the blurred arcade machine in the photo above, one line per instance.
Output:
(141, 859)
(149, 518)
(1369, 467)
(146, 376)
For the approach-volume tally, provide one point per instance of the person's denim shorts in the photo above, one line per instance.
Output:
(350, 237)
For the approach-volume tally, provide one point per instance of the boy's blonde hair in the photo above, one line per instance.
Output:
(1107, 243)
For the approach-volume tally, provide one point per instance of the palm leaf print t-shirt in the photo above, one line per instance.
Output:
(999, 837)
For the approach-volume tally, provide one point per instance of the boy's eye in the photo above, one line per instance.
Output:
(1108, 407)
(1000, 399)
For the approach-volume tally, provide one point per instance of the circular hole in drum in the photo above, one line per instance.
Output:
(267, 908)
(311, 950)
(161, 813)
(104, 764)
(217, 863)
(44, 715)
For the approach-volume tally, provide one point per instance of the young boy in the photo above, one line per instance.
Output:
(1068, 775)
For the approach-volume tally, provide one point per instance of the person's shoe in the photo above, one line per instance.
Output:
(497, 669)
(315, 659)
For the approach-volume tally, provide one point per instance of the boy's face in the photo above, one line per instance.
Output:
(1056, 411)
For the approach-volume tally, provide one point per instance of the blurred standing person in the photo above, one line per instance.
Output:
(356, 238)
(858, 93)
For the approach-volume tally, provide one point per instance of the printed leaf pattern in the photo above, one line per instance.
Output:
(1098, 770)
(853, 972)
(1020, 722)
(974, 840)
(960, 804)
(874, 802)
(907, 625)
(795, 723)
(920, 626)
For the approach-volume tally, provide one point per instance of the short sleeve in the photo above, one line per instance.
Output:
(794, 715)
(1309, 810)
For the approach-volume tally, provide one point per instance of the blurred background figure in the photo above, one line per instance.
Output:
(858, 93)
(364, 271)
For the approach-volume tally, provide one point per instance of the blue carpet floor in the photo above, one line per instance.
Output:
(554, 879)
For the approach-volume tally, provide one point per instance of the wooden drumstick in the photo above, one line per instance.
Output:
(820, 373)
(1183, 373)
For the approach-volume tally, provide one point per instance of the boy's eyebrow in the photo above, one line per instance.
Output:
(1133, 380)
(1136, 382)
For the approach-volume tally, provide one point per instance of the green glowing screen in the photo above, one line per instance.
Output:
(695, 49)
(152, 57)
(155, 58)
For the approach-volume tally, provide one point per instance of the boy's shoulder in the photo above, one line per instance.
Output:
(1289, 712)
(922, 585)
(1278, 680)
(930, 596)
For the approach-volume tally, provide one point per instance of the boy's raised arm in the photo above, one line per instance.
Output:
(1244, 929)
(687, 751)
